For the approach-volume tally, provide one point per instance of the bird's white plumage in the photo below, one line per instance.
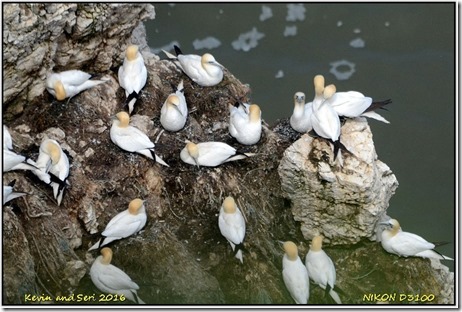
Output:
(132, 74)
(124, 224)
(132, 139)
(300, 120)
(112, 280)
(321, 269)
(245, 123)
(405, 244)
(324, 119)
(7, 140)
(9, 194)
(211, 154)
(174, 111)
(203, 70)
(69, 83)
(295, 276)
(232, 225)
(13, 161)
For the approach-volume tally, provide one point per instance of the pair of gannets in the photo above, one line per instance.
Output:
(232, 225)
(396, 241)
(210, 154)
(124, 224)
(174, 112)
(245, 123)
(203, 70)
(132, 139)
(69, 83)
(112, 280)
(132, 75)
(53, 160)
(9, 193)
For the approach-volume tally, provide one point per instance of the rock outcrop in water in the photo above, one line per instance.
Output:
(180, 256)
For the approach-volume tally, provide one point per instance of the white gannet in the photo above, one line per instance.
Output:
(9, 194)
(300, 120)
(112, 280)
(210, 154)
(295, 275)
(353, 104)
(245, 123)
(406, 244)
(132, 75)
(132, 139)
(7, 140)
(124, 224)
(69, 83)
(174, 111)
(321, 269)
(203, 70)
(232, 225)
(53, 160)
(324, 119)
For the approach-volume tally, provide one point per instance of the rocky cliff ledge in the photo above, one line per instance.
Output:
(180, 257)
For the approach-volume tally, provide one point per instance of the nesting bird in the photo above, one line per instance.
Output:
(124, 224)
(203, 70)
(132, 75)
(406, 244)
(210, 154)
(232, 225)
(295, 274)
(69, 83)
(174, 112)
(53, 160)
(9, 194)
(112, 280)
(132, 139)
(245, 123)
(300, 120)
(321, 269)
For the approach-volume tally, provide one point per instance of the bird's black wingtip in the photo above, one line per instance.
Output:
(177, 50)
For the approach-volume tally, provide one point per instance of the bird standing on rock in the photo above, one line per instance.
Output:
(203, 70)
(295, 274)
(245, 123)
(174, 112)
(132, 139)
(112, 280)
(406, 244)
(210, 154)
(69, 83)
(300, 120)
(321, 269)
(232, 225)
(124, 224)
(132, 75)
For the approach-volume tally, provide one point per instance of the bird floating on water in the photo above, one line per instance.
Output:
(174, 112)
(9, 193)
(124, 224)
(66, 84)
(405, 244)
(245, 123)
(132, 139)
(300, 120)
(132, 75)
(210, 154)
(321, 269)
(112, 280)
(232, 225)
(53, 160)
(203, 70)
(295, 274)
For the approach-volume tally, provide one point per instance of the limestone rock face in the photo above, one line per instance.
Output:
(42, 37)
(341, 203)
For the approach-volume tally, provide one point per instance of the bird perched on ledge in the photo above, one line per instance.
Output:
(210, 154)
(405, 244)
(132, 75)
(295, 274)
(203, 70)
(174, 112)
(66, 84)
(232, 225)
(245, 123)
(300, 120)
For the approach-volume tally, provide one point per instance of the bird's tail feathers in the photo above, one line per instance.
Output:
(177, 50)
(169, 55)
(375, 116)
(96, 245)
(378, 105)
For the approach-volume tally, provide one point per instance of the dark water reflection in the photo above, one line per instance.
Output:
(409, 56)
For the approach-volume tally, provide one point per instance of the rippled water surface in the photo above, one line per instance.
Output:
(400, 51)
